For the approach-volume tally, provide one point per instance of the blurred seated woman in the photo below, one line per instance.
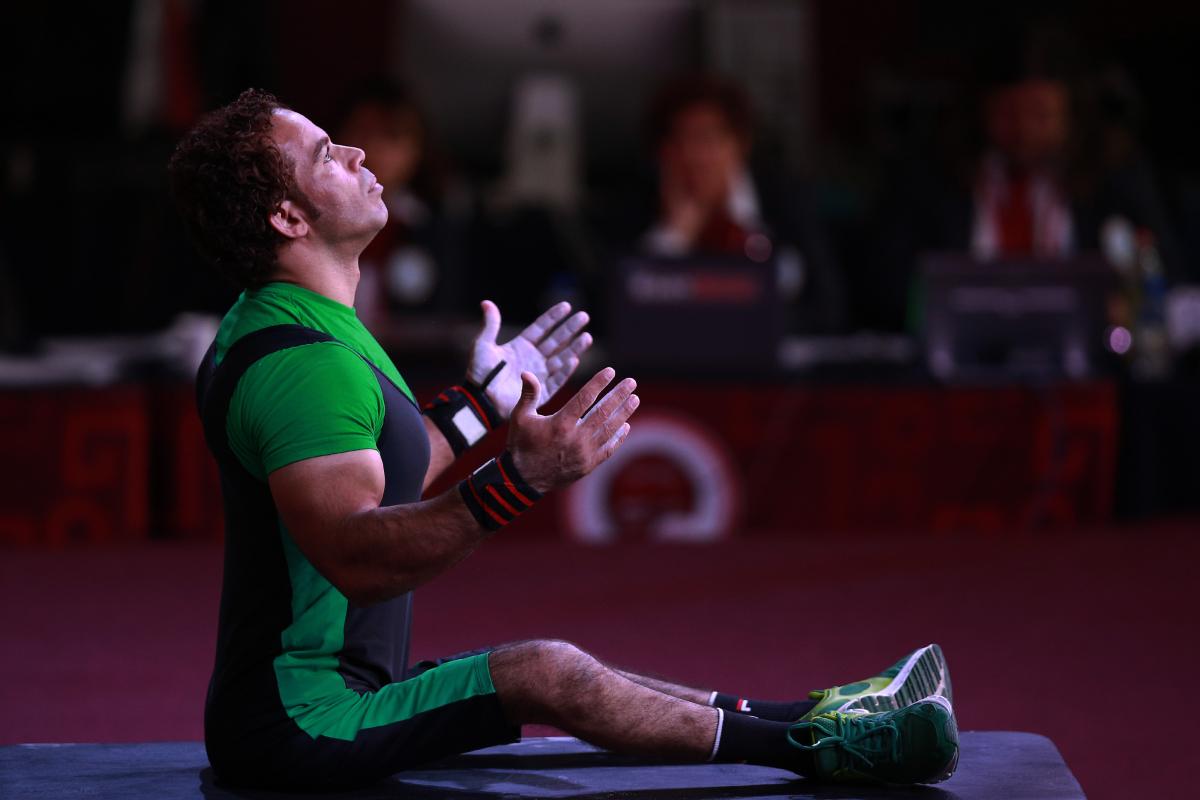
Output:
(711, 202)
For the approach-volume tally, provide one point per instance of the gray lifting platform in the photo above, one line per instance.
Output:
(993, 766)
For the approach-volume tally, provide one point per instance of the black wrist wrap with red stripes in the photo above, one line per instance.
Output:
(464, 414)
(496, 493)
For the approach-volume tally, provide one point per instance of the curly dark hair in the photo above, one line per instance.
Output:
(227, 177)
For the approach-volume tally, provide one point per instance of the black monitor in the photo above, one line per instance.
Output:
(1009, 320)
(708, 314)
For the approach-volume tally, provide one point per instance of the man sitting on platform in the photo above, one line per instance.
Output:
(324, 456)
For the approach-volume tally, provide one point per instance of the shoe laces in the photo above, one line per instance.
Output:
(865, 736)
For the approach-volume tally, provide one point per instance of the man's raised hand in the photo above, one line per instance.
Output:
(549, 349)
(555, 450)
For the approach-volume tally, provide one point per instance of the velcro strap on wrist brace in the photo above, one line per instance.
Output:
(464, 414)
(496, 493)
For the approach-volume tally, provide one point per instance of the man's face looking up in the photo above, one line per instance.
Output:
(340, 200)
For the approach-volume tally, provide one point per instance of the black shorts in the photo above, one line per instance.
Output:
(441, 709)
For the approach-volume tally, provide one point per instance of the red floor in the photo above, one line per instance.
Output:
(1084, 638)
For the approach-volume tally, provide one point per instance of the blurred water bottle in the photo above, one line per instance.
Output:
(1152, 350)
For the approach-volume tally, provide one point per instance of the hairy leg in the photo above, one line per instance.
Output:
(556, 683)
(700, 696)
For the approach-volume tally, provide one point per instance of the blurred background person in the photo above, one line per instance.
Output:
(1020, 204)
(416, 261)
(712, 201)
(1041, 183)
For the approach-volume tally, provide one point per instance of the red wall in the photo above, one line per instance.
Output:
(128, 462)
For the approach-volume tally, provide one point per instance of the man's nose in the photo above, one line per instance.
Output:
(357, 157)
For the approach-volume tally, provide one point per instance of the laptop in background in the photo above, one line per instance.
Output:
(1015, 319)
(696, 314)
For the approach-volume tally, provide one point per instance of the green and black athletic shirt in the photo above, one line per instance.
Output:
(294, 375)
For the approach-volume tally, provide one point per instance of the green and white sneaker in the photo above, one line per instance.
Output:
(919, 674)
(914, 744)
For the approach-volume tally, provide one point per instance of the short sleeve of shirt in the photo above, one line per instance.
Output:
(303, 402)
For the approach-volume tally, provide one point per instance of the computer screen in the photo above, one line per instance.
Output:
(1014, 319)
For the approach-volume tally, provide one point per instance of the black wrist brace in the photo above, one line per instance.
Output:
(464, 414)
(496, 494)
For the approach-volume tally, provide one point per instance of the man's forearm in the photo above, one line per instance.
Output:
(390, 550)
(441, 456)
(330, 504)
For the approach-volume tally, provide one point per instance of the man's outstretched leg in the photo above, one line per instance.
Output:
(556, 683)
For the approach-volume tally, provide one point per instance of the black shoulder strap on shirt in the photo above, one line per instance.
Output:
(215, 383)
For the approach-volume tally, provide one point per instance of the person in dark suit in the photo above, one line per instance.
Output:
(1041, 185)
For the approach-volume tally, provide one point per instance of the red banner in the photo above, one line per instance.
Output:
(76, 465)
(708, 461)
(703, 462)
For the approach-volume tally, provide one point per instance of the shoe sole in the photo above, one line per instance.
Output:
(924, 674)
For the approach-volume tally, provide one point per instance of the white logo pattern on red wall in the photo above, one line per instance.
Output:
(691, 449)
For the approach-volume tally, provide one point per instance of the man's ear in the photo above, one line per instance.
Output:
(289, 220)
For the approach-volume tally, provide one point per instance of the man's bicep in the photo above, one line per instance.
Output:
(302, 403)
(317, 497)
